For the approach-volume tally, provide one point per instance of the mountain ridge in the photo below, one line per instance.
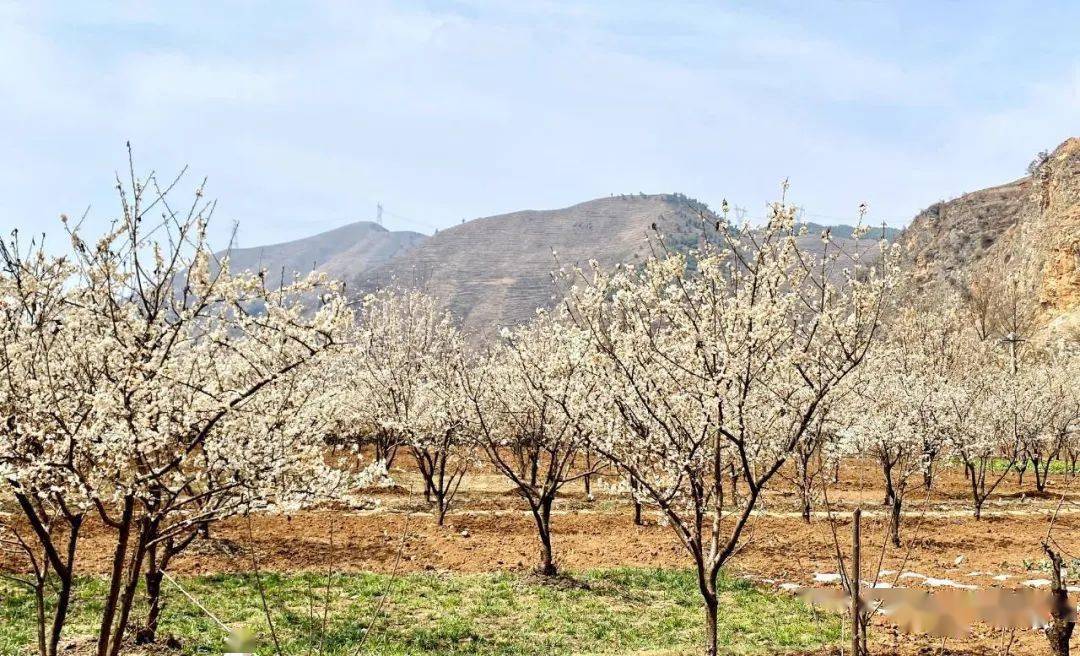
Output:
(496, 270)
(342, 252)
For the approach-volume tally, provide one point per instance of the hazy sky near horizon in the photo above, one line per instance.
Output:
(304, 116)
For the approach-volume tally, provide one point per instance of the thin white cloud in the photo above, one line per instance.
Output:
(304, 119)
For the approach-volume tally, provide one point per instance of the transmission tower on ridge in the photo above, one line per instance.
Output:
(378, 213)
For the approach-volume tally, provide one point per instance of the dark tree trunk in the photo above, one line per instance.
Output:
(67, 583)
(155, 573)
(711, 608)
(148, 634)
(127, 600)
(588, 475)
(1060, 629)
(116, 577)
(707, 588)
(634, 487)
(440, 481)
(893, 501)
(1041, 468)
(976, 498)
(39, 610)
(930, 455)
(894, 523)
(158, 557)
(734, 483)
(386, 450)
(542, 514)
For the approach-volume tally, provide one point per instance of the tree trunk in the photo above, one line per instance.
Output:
(706, 579)
(1060, 629)
(440, 486)
(385, 450)
(892, 500)
(116, 577)
(154, 576)
(1042, 472)
(542, 514)
(637, 504)
(806, 507)
(976, 498)
(894, 523)
(441, 508)
(127, 600)
(67, 583)
(63, 602)
(39, 609)
(734, 484)
(711, 607)
(588, 476)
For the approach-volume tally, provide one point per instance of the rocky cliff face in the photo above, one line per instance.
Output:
(1028, 229)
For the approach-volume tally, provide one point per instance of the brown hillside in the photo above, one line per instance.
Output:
(343, 253)
(497, 270)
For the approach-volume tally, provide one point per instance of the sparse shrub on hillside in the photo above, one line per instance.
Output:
(1036, 163)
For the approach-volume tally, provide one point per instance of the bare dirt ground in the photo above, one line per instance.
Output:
(489, 530)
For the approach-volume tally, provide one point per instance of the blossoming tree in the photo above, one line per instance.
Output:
(402, 377)
(529, 399)
(901, 390)
(137, 354)
(726, 355)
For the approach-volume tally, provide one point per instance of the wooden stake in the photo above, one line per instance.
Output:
(856, 570)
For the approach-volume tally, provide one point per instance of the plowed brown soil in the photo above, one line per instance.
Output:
(490, 530)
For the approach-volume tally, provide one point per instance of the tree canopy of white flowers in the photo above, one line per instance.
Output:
(1001, 403)
(401, 381)
(723, 356)
(901, 392)
(149, 389)
(529, 398)
(148, 386)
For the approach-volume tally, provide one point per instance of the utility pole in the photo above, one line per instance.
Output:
(1014, 338)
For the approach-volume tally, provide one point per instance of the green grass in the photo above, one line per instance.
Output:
(1057, 467)
(622, 611)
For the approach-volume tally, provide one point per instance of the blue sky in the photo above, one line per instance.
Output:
(303, 116)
